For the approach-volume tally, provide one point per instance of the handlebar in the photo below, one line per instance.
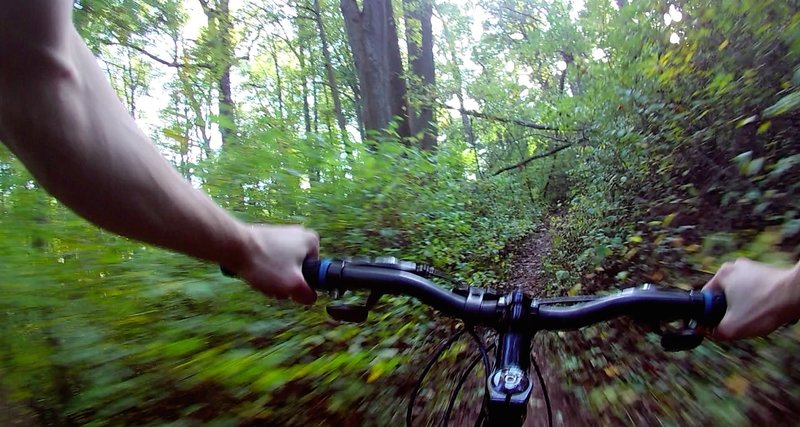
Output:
(388, 276)
(515, 317)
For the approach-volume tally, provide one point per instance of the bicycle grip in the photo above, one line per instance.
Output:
(715, 307)
(313, 271)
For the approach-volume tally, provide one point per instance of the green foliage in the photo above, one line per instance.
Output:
(100, 331)
(683, 156)
(692, 163)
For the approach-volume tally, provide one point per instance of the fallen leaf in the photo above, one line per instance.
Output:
(630, 254)
(629, 397)
(375, 373)
(575, 290)
(692, 248)
(611, 371)
(737, 384)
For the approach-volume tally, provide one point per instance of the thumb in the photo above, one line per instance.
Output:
(715, 284)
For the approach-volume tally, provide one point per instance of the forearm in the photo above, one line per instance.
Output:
(69, 128)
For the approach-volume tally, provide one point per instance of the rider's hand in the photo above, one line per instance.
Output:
(272, 260)
(760, 297)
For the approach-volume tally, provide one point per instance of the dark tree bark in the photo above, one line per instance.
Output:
(372, 35)
(306, 108)
(358, 107)
(419, 41)
(278, 81)
(221, 26)
(331, 76)
(466, 122)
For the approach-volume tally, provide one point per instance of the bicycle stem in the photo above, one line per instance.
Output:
(508, 387)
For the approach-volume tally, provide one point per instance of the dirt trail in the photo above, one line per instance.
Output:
(528, 273)
(14, 414)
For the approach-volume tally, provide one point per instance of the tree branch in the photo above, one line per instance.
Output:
(554, 138)
(532, 158)
(526, 15)
(206, 7)
(517, 122)
(173, 64)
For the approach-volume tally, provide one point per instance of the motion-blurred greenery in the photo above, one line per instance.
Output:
(98, 330)
(682, 155)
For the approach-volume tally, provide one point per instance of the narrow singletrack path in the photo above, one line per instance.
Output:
(527, 272)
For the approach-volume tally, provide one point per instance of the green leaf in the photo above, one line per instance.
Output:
(784, 105)
(746, 121)
(743, 158)
(755, 166)
(790, 228)
(784, 165)
(743, 161)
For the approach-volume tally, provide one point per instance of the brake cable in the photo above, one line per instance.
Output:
(442, 348)
(460, 384)
(544, 390)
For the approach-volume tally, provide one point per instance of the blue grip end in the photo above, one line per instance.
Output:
(323, 272)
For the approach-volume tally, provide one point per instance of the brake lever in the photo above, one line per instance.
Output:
(353, 313)
(686, 339)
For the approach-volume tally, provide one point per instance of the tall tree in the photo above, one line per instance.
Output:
(458, 81)
(223, 58)
(419, 40)
(372, 34)
(330, 74)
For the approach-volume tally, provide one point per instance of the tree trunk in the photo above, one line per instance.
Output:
(337, 102)
(372, 35)
(359, 111)
(466, 122)
(278, 81)
(306, 108)
(221, 26)
(419, 41)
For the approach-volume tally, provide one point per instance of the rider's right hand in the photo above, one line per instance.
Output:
(760, 297)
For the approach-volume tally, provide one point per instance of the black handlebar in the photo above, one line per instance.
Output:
(388, 276)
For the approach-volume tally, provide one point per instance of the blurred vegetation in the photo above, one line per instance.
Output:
(98, 330)
(681, 121)
(697, 166)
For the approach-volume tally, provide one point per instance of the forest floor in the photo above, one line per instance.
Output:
(13, 414)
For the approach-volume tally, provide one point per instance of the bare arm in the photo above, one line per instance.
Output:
(59, 115)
